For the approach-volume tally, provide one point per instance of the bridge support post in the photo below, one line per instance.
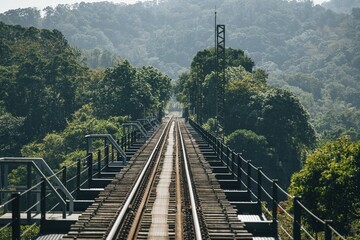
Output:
(222, 152)
(118, 157)
(274, 206)
(233, 163)
(78, 172)
(228, 157)
(297, 218)
(15, 216)
(328, 233)
(43, 203)
(90, 168)
(28, 195)
(259, 183)
(99, 162)
(106, 155)
(239, 168)
(248, 182)
(64, 181)
(128, 140)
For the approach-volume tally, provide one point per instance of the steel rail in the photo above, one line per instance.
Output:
(190, 187)
(114, 229)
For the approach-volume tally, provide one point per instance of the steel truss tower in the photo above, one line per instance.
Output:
(220, 76)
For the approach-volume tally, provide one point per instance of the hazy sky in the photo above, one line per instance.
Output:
(41, 4)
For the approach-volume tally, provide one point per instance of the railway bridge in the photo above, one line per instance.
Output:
(169, 180)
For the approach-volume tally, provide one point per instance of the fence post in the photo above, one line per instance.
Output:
(259, 183)
(248, 183)
(297, 218)
(28, 195)
(112, 153)
(233, 162)
(106, 155)
(222, 153)
(117, 152)
(78, 172)
(218, 148)
(99, 162)
(64, 181)
(228, 157)
(129, 140)
(15, 207)
(43, 202)
(123, 142)
(274, 206)
(328, 233)
(239, 168)
(135, 136)
(90, 168)
(132, 137)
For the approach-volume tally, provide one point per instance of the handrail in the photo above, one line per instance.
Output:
(148, 121)
(89, 137)
(39, 163)
(139, 127)
(223, 151)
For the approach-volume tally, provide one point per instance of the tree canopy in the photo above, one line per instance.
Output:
(329, 183)
(43, 83)
(269, 118)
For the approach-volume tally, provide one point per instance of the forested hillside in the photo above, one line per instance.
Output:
(309, 50)
(342, 6)
(49, 101)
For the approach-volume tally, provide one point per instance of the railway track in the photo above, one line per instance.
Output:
(167, 191)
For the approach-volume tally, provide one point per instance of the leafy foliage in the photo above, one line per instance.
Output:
(43, 85)
(38, 78)
(253, 111)
(70, 144)
(11, 132)
(125, 90)
(329, 183)
(256, 148)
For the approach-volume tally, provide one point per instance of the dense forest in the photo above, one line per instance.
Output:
(309, 50)
(49, 101)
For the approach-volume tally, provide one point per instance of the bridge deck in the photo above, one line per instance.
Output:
(158, 220)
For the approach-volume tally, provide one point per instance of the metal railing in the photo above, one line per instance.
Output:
(57, 191)
(262, 188)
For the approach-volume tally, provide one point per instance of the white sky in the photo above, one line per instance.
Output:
(41, 4)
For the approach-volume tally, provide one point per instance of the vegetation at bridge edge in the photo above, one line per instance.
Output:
(329, 185)
(49, 101)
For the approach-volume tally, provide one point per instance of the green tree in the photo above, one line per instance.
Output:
(66, 146)
(11, 133)
(329, 183)
(121, 92)
(160, 88)
(255, 147)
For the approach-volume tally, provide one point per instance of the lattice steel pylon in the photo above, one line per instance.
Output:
(220, 76)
